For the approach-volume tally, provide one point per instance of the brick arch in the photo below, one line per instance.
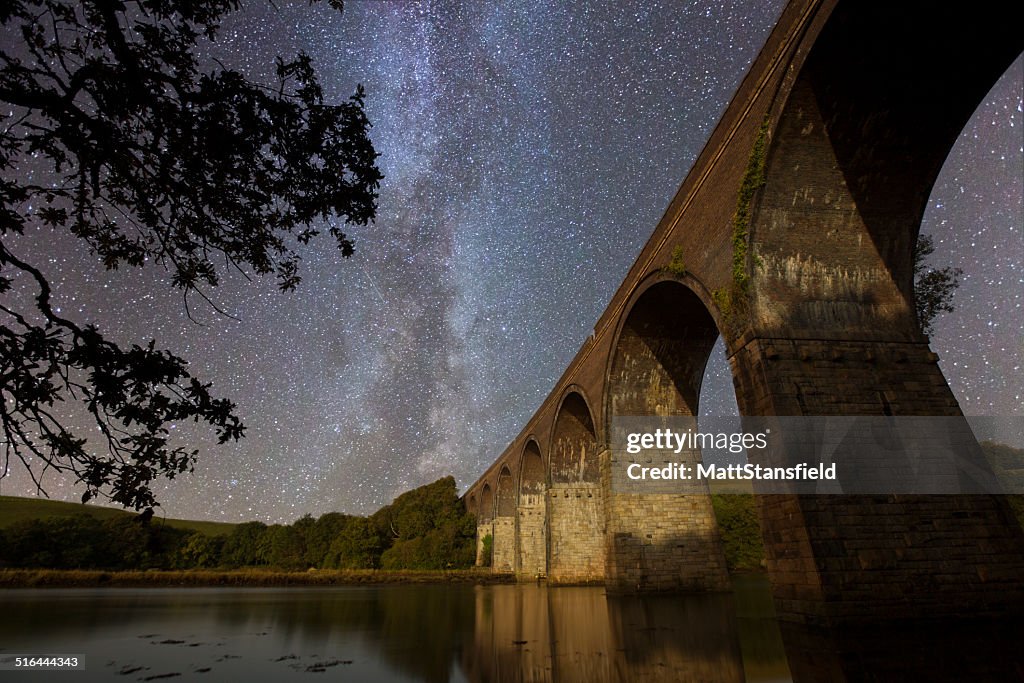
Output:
(486, 503)
(656, 368)
(852, 152)
(505, 498)
(503, 525)
(533, 478)
(574, 445)
(532, 518)
(662, 344)
(484, 520)
(576, 522)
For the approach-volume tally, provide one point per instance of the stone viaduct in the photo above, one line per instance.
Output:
(792, 238)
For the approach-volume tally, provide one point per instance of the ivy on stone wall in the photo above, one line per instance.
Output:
(732, 299)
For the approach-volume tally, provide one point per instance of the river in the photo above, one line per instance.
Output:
(438, 633)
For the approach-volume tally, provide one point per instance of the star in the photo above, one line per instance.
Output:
(529, 151)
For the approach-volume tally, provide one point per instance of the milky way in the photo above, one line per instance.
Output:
(529, 150)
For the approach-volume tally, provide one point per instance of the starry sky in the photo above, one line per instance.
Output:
(529, 150)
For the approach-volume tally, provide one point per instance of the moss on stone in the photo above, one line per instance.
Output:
(677, 266)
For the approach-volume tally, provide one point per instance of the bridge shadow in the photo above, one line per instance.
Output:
(965, 649)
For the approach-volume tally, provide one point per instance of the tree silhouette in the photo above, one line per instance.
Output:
(116, 133)
(933, 287)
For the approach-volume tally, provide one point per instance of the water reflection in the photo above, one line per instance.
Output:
(435, 633)
(580, 635)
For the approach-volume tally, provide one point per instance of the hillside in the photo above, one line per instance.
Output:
(14, 509)
(427, 528)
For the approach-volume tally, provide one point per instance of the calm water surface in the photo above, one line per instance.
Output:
(435, 633)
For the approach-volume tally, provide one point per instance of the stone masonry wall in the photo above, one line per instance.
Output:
(577, 533)
(663, 542)
(861, 556)
(504, 544)
(532, 533)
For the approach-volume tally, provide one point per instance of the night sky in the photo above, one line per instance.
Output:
(529, 150)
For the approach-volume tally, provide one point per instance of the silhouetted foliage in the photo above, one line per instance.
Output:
(933, 287)
(114, 133)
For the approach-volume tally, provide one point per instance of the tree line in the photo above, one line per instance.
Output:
(426, 528)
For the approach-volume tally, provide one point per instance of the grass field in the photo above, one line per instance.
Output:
(15, 509)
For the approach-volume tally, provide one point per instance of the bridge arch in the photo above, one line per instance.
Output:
(573, 449)
(503, 526)
(485, 523)
(661, 346)
(856, 143)
(532, 518)
(655, 368)
(576, 521)
(487, 503)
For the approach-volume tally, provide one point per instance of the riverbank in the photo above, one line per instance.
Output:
(60, 578)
